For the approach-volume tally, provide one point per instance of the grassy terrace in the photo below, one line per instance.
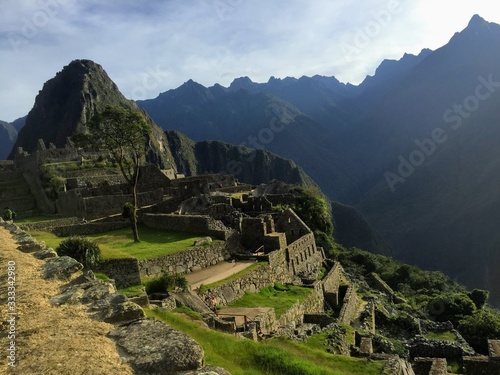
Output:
(120, 243)
(279, 297)
(444, 336)
(272, 357)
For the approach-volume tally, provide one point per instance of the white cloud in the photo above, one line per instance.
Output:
(213, 41)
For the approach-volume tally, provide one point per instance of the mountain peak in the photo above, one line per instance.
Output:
(66, 101)
(477, 20)
(479, 27)
(241, 83)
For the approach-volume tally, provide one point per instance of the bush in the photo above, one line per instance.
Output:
(166, 283)
(82, 249)
(478, 328)
(313, 208)
(451, 306)
(52, 183)
(479, 297)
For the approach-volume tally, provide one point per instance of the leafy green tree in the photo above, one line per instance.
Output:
(313, 208)
(479, 297)
(451, 306)
(124, 133)
(479, 327)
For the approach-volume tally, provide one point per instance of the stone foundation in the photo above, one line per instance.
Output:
(187, 261)
(125, 271)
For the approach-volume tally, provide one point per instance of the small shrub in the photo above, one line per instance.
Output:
(129, 211)
(479, 297)
(166, 283)
(52, 183)
(480, 327)
(82, 249)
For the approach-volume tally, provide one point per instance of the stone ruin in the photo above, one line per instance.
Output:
(219, 206)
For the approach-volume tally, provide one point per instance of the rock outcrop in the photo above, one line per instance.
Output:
(61, 268)
(103, 302)
(69, 100)
(152, 347)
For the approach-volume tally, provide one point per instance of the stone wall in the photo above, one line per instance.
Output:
(349, 307)
(279, 269)
(150, 178)
(49, 225)
(105, 205)
(419, 346)
(331, 285)
(88, 228)
(124, 271)
(241, 188)
(480, 365)
(313, 304)
(198, 224)
(251, 282)
(187, 261)
(266, 321)
(304, 254)
(93, 181)
(74, 203)
(253, 230)
(292, 225)
(276, 271)
(422, 365)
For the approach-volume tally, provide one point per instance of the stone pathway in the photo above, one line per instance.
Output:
(216, 273)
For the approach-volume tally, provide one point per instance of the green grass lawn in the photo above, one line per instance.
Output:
(279, 297)
(37, 219)
(445, 336)
(271, 357)
(120, 243)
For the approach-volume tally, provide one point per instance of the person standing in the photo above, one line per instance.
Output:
(7, 216)
(213, 302)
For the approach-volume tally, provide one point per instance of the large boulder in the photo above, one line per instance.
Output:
(46, 253)
(152, 347)
(60, 268)
(116, 309)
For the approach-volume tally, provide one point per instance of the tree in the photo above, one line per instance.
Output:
(124, 133)
(451, 306)
(479, 327)
(479, 297)
(313, 208)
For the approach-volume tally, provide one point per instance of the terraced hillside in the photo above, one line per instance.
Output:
(15, 192)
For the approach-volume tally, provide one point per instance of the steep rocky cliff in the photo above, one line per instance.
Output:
(69, 100)
(83, 88)
(247, 165)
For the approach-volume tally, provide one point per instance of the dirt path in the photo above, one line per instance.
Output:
(49, 340)
(216, 273)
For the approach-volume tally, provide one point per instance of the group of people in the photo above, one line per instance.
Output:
(8, 214)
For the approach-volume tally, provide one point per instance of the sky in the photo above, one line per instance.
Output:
(151, 46)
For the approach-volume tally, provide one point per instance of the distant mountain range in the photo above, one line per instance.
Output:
(8, 135)
(414, 148)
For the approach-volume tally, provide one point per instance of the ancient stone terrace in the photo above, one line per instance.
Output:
(484, 365)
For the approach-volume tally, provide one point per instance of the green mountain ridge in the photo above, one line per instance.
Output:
(347, 138)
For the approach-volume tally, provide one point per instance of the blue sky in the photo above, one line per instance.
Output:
(148, 47)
